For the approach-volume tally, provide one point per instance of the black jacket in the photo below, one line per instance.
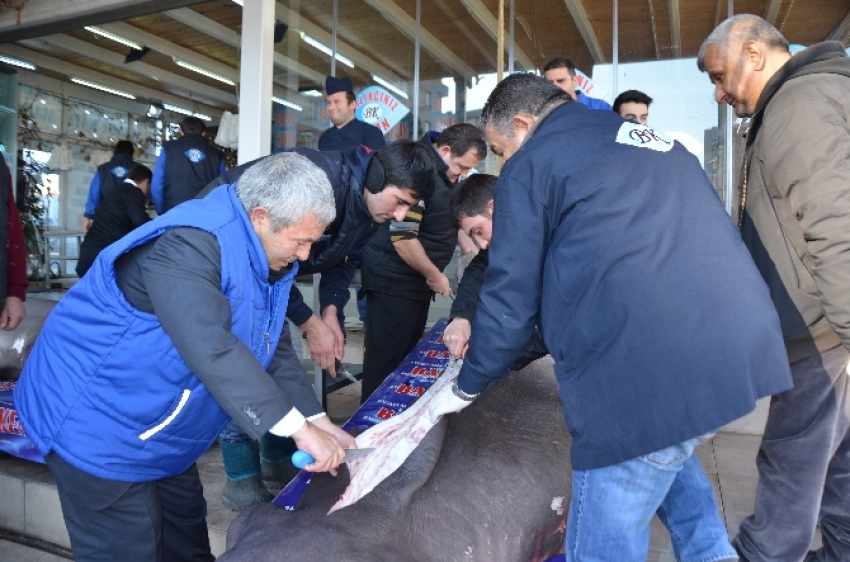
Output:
(385, 271)
(190, 163)
(337, 254)
(796, 219)
(466, 303)
(119, 212)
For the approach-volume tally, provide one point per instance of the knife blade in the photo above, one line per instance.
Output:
(302, 458)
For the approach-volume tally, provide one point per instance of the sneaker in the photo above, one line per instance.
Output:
(242, 494)
(278, 475)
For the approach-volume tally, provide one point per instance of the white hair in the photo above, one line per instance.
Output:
(290, 187)
(741, 29)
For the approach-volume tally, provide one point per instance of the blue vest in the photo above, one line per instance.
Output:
(104, 386)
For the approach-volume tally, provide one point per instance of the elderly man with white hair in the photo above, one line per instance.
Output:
(171, 333)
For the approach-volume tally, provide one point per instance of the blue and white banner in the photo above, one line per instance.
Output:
(380, 108)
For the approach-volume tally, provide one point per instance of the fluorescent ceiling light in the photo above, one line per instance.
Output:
(116, 38)
(103, 88)
(311, 93)
(184, 111)
(17, 62)
(325, 49)
(238, 2)
(204, 71)
(282, 101)
(390, 86)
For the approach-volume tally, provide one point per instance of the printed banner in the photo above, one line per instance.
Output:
(285, 128)
(380, 108)
(422, 366)
(13, 440)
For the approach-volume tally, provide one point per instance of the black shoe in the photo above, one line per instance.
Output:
(242, 494)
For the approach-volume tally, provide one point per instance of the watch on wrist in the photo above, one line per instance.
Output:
(461, 394)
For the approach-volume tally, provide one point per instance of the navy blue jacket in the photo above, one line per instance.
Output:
(107, 177)
(338, 253)
(659, 323)
(354, 133)
(184, 167)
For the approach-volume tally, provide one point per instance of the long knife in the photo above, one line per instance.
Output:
(302, 458)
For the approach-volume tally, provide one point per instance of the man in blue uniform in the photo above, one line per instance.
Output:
(347, 131)
(169, 336)
(618, 248)
(107, 177)
(185, 166)
(562, 72)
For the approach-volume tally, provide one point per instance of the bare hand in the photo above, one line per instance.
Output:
(322, 343)
(86, 224)
(323, 447)
(13, 313)
(346, 441)
(440, 284)
(467, 245)
(330, 317)
(456, 336)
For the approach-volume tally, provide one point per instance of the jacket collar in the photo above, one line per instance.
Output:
(542, 117)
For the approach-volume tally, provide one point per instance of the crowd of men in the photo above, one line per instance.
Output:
(666, 320)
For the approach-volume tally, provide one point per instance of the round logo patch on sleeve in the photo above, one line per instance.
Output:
(642, 136)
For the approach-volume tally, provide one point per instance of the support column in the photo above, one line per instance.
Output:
(255, 79)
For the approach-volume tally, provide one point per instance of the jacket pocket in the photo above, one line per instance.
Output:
(174, 411)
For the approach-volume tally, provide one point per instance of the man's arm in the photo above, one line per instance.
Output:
(811, 167)
(375, 139)
(158, 183)
(409, 248)
(457, 333)
(93, 199)
(322, 339)
(135, 204)
(182, 278)
(16, 265)
(513, 283)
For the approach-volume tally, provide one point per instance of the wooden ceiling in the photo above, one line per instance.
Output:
(458, 38)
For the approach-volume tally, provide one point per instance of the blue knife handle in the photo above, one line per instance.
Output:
(302, 458)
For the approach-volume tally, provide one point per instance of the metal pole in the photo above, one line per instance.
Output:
(616, 46)
(511, 41)
(730, 152)
(500, 43)
(333, 42)
(416, 71)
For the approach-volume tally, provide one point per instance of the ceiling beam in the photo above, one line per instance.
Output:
(771, 11)
(43, 17)
(145, 70)
(48, 62)
(585, 28)
(226, 35)
(299, 22)
(718, 13)
(407, 25)
(490, 24)
(675, 28)
(458, 22)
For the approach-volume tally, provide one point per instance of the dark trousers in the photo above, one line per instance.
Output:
(804, 467)
(161, 521)
(396, 325)
(88, 253)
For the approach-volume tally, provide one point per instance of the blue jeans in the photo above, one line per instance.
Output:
(612, 507)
